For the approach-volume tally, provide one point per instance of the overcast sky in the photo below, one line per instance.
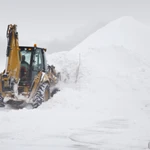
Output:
(49, 19)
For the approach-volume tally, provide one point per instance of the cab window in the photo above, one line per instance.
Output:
(38, 61)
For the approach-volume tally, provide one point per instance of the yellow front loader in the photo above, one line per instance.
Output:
(27, 77)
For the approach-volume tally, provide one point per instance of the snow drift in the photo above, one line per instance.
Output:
(121, 47)
(110, 70)
(126, 32)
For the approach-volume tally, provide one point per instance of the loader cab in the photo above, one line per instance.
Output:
(34, 62)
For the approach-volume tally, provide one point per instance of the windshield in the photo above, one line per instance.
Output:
(26, 56)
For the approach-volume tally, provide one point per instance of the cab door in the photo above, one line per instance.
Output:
(37, 63)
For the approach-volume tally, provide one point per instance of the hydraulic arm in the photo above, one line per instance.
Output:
(10, 76)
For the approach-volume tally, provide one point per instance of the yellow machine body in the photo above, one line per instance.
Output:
(26, 73)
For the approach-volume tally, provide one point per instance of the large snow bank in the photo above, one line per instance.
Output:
(109, 74)
(126, 32)
(116, 50)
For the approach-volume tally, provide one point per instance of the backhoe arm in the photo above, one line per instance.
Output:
(11, 74)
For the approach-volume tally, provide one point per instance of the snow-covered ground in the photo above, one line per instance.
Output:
(104, 102)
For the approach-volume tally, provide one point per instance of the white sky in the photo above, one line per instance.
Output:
(48, 19)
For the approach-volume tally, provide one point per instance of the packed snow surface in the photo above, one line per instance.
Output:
(104, 102)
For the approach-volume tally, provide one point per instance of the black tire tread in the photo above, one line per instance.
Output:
(39, 95)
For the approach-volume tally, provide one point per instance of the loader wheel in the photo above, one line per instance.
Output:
(42, 94)
(1, 101)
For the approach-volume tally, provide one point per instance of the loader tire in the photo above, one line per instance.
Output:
(1, 101)
(42, 94)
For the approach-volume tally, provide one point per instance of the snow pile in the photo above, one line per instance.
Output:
(105, 75)
(112, 53)
(126, 32)
(110, 75)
